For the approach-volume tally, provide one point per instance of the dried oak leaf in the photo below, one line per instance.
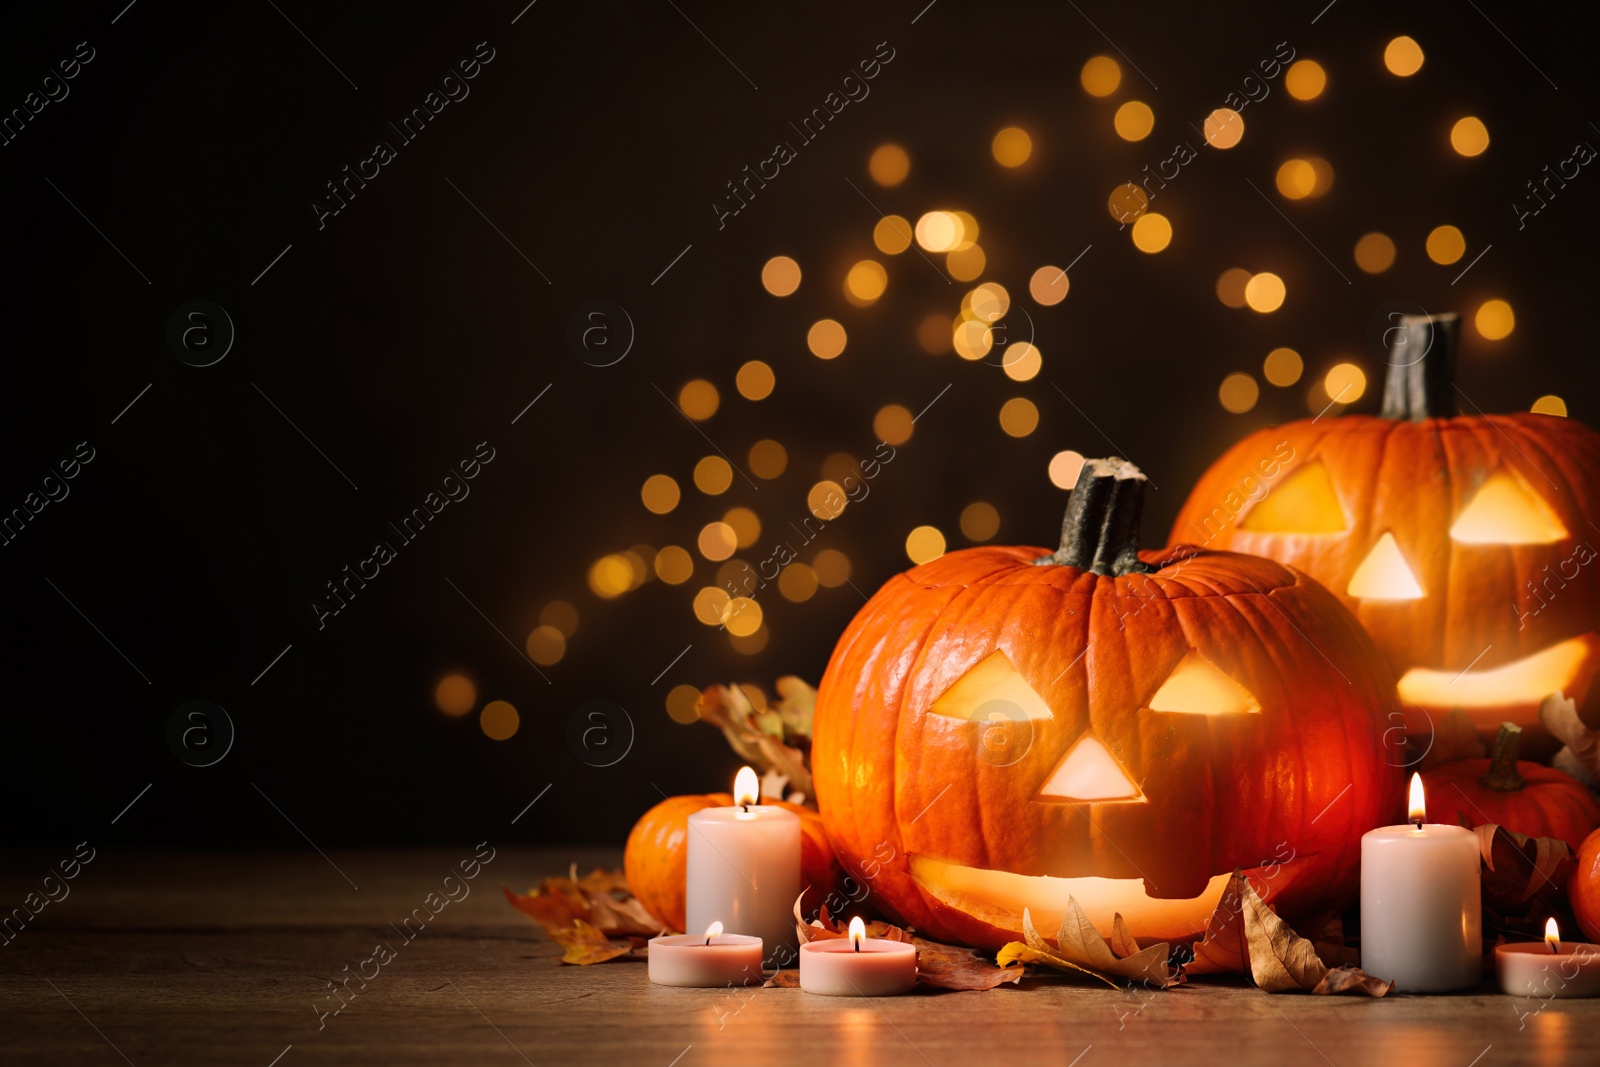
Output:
(585, 944)
(949, 967)
(783, 980)
(1518, 867)
(1079, 947)
(1581, 756)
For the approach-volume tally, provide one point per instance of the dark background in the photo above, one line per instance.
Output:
(408, 330)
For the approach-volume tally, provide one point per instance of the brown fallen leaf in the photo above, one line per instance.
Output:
(949, 967)
(586, 945)
(1581, 756)
(1224, 949)
(1326, 934)
(783, 980)
(825, 928)
(1280, 959)
(1245, 936)
(776, 739)
(1079, 947)
(1518, 868)
(600, 898)
(1352, 979)
(1122, 942)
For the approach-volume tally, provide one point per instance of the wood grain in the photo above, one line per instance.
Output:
(220, 959)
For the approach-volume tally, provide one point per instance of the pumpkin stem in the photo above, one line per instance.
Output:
(1502, 773)
(1422, 356)
(1101, 530)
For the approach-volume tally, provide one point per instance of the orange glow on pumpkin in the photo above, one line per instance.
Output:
(1090, 773)
(1554, 668)
(1385, 575)
(1197, 687)
(1503, 512)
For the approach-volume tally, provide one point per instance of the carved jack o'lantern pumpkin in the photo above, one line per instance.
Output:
(1463, 543)
(1000, 729)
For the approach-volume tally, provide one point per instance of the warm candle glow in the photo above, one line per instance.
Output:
(714, 930)
(1552, 934)
(746, 788)
(1419, 804)
(858, 932)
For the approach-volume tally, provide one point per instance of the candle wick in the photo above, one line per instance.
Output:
(1417, 822)
(746, 808)
(708, 940)
(858, 946)
(1555, 947)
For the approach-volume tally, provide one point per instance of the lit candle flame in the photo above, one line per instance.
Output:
(746, 787)
(1552, 934)
(714, 930)
(858, 932)
(1419, 804)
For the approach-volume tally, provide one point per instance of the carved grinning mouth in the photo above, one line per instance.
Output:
(1568, 666)
(998, 897)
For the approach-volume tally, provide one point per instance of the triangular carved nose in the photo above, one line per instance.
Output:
(1385, 575)
(1088, 772)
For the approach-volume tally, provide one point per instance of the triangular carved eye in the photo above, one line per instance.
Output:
(1385, 574)
(990, 689)
(1090, 773)
(1304, 502)
(1505, 512)
(1197, 687)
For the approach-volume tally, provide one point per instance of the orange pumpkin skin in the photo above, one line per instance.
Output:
(657, 855)
(1551, 803)
(1584, 889)
(1485, 605)
(903, 788)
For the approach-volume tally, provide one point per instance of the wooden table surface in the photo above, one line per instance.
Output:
(225, 959)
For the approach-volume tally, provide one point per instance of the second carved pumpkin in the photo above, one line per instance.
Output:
(1464, 543)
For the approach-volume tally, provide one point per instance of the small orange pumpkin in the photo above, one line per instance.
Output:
(657, 855)
(1584, 889)
(1529, 798)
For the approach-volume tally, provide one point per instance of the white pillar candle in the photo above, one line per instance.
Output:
(709, 959)
(744, 870)
(1421, 913)
(858, 966)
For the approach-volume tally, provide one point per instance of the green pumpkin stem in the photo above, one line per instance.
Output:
(1101, 530)
(1502, 773)
(1422, 356)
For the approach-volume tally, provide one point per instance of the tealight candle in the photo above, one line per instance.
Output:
(744, 869)
(710, 959)
(1549, 968)
(1421, 915)
(861, 966)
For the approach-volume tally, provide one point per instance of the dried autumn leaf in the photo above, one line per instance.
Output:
(1352, 979)
(948, 967)
(1581, 756)
(1518, 867)
(586, 945)
(1224, 948)
(783, 980)
(1280, 959)
(1122, 942)
(553, 909)
(600, 898)
(1079, 947)
(770, 740)
(825, 928)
